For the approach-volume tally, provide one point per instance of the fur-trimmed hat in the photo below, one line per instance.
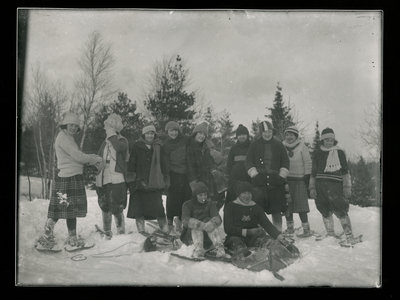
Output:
(115, 122)
(198, 188)
(293, 130)
(172, 125)
(243, 186)
(242, 130)
(70, 118)
(327, 133)
(148, 129)
(266, 125)
(202, 127)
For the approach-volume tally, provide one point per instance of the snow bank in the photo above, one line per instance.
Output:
(120, 262)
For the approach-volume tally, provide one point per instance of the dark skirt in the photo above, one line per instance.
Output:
(74, 188)
(145, 204)
(178, 192)
(299, 195)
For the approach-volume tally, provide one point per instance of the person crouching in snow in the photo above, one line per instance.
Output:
(68, 197)
(111, 184)
(200, 215)
(330, 184)
(298, 180)
(267, 164)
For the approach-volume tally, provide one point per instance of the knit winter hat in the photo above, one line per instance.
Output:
(198, 188)
(202, 127)
(327, 133)
(71, 118)
(148, 129)
(242, 130)
(115, 122)
(293, 130)
(266, 125)
(243, 186)
(172, 125)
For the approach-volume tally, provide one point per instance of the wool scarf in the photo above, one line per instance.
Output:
(290, 147)
(156, 178)
(332, 162)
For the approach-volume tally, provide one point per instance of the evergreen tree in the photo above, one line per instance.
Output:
(225, 128)
(168, 100)
(362, 184)
(316, 140)
(280, 114)
(254, 128)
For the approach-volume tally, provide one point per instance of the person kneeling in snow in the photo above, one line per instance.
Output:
(242, 218)
(200, 215)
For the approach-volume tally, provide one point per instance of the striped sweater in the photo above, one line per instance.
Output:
(319, 163)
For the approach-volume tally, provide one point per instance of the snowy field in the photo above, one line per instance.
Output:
(120, 262)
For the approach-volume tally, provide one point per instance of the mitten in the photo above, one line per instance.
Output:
(347, 185)
(252, 172)
(313, 191)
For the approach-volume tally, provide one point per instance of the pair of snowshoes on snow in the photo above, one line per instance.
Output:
(72, 244)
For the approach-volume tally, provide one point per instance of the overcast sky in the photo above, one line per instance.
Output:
(328, 63)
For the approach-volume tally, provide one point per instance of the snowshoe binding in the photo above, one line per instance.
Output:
(349, 242)
(47, 244)
(74, 243)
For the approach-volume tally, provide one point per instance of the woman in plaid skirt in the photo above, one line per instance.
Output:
(68, 197)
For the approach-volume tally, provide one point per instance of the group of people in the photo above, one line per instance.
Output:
(266, 176)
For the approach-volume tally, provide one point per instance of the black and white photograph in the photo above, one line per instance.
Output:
(199, 147)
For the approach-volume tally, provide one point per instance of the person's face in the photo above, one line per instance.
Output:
(149, 136)
(200, 137)
(245, 197)
(290, 137)
(242, 138)
(173, 133)
(329, 142)
(267, 135)
(72, 129)
(202, 197)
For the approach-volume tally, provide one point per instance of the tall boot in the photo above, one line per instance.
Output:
(49, 228)
(346, 224)
(120, 223)
(217, 242)
(178, 225)
(306, 230)
(290, 228)
(277, 221)
(162, 223)
(46, 240)
(140, 225)
(198, 240)
(107, 219)
(329, 226)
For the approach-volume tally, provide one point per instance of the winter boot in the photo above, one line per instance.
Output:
(120, 223)
(198, 239)
(217, 242)
(107, 218)
(47, 240)
(162, 223)
(346, 224)
(329, 226)
(178, 225)
(306, 231)
(140, 225)
(290, 228)
(277, 221)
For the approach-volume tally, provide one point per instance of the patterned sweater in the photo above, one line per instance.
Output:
(70, 159)
(300, 162)
(318, 166)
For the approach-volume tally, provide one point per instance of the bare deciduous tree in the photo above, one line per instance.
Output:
(370, 131)
(94, 84)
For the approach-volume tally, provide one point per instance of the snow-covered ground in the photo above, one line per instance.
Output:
(323, 263)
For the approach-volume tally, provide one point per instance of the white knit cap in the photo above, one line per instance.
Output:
(115, 122)
(148, 129)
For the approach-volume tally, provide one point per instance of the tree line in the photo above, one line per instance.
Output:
(167, 98)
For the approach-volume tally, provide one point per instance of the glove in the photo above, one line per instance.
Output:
(209, 226)
(346, 185)
(311, 186)
(252, 172)
(313, 194)
(307, 179)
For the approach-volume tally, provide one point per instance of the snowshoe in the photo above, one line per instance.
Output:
(350, 242)
(160, 241)
(47, 244)
(320, 237)
(304, 235)
(77, 243)
(188, 257)
(212, 254)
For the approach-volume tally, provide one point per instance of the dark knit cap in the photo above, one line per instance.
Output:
(202, 127)
(243, 186)
(327, 132)
(198, 188)
(172, 125)
(242, 130)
